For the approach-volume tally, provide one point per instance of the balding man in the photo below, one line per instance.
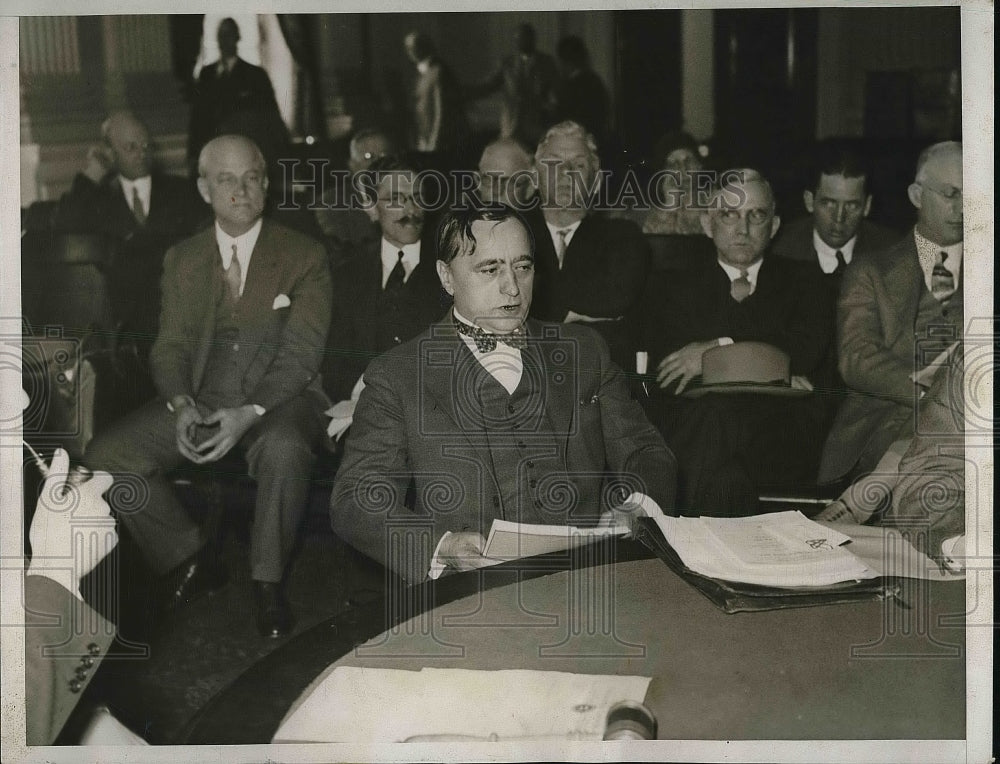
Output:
(505, 174)
(897, 311)
(731, 442)
(246, 309)
(145, 212)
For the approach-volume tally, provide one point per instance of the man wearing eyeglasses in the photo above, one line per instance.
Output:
(143, 211)
(730, 443)
(897, 312)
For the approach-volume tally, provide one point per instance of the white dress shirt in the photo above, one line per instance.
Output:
(928, 253)
(503, 363)
(390, 256)
(567, 237)
(828, 255)
(143, 185)
(244, 249)
(733, 274)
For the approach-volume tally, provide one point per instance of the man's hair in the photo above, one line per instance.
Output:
(513, 145)
(391, 163)
(937, 149)
(838, 157)
(455, 231)
(369, 132)
(115, 118)
(572, 50)
(570, 129)
(213, 145)
(228, 21)
(741, 176)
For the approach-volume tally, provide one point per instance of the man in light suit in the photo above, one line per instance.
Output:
(590, 268)
(488, 416)
(143, 211)
(897, 311)
(246, 309)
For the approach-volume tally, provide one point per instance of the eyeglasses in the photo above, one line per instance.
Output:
(756, 216)
(948, 192)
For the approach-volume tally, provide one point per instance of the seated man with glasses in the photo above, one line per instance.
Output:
(731, 440)
(898, 311)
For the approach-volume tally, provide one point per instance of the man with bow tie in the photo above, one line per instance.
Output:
(898, 311)
(144, 212)
(490, 415)
(246, 309)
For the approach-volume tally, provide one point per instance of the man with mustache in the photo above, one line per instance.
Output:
(898, 310)
(388, 292)
(490, 415)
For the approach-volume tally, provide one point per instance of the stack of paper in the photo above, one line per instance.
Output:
(780, 549)
(511, 541)
(368, 705)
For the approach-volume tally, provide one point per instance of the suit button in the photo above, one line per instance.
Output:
(236, 346)
(397, 340)
(87, 661)
(496, 501)
(510, 408)
(81, 673)
(520, 444)
(75, 686)
(533, 483)
(530, 464)
(538, 504)
(93, 648)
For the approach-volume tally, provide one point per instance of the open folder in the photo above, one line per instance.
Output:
(765, 562)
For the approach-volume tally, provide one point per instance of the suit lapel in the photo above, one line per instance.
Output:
(210, 263)
(259, 286)
(905, 282)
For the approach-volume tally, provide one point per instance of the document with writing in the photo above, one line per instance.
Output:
(778, 549)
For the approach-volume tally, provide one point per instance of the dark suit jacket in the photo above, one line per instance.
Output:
(240, 102)
(795, 240)
(175, 212)
(357, 285)
(603, 275)
(878, 306)
(416, 465)
(284, 345)
(695, 305)
(64, 640)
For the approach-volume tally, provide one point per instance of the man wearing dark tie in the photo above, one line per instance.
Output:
(730, 444)
(898, 310)
(143, 211)
(246, 309)
(590, 268)
(487, 415)
(387, 292)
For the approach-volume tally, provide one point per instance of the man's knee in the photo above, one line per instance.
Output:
(283, 450)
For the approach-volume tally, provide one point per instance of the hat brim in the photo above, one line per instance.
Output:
(756, 388)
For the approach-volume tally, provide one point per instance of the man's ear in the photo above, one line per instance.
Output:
(706, 224)
(868, 206)
(775, 225)
(444, 273)
(203, 189)
(370, 207)
(915, 192)
(809, 201)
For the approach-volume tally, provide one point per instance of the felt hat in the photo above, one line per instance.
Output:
(745, 367)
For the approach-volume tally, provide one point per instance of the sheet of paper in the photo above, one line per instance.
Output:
(367, 705)
(511, 541)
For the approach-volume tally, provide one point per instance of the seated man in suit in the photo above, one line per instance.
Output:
(487, 415)
(246, 309)
(347, 228)
(729, 444)
(145, 212)
(590, 268)
(386, 293)
(897, 311)
(919, 484)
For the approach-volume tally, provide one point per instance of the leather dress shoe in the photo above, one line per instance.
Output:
(274, 616)
(195, 577)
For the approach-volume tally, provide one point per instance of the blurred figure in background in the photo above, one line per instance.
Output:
(580, 94)
(674, 208)
(505, 174)
(439, 123)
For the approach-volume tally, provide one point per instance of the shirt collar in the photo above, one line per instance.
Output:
(390, 256)
(827, 255)
(927, 254)
(245, 244)
(570, 230)
(144, 185)
(734, 273)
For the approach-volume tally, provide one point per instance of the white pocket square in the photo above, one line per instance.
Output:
(281, 301)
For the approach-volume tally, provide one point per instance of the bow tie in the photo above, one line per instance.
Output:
(485, 342)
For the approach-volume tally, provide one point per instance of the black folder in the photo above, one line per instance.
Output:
(736, 597)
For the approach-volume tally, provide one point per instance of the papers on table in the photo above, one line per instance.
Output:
(510, 541)
(368, 705)
(778, 549)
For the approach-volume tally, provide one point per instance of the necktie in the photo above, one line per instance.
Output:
(137, 209)
(740, 288)
(942, 281)
(396, 277)
(486, 342)
(234, 274)
(561, 245)
(841, 263)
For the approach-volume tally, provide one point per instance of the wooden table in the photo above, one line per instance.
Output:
(873, 670)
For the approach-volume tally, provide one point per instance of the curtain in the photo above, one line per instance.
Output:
(296, 28)
(185, 45)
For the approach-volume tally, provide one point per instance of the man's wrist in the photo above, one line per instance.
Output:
(179, 402)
